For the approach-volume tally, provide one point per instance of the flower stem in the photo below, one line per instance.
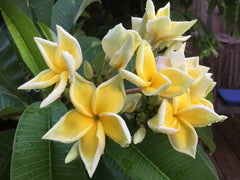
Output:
(110, 72)
(134, 90)
(105, 65)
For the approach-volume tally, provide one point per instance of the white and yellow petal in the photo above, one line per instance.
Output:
(163, 63)
(150, 10)
(164, 11)
(91, 147)
(57, 91)
(44, 79)
(182, 101)
(73, 153)
(48, 50)
(136, 23)
(71, 127)
(164, 121)
(81, 93)
(109, 96)
(185, 140)
(115, 128)
(130, 102)
(70, 63)
(159, 84)
(66, 42)
(180, 82)
(199, 115)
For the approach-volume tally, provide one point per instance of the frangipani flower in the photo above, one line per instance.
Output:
(156, 28)
(119, 45)
(177, 118)
(95, 115)
(62, 58)
(167, 82)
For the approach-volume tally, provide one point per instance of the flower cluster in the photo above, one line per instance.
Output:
(178, 85)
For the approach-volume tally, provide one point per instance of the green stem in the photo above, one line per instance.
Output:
(110, 72)
(105, 65)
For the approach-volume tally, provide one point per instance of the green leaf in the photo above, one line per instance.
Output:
(154, 155)
(37, 10)
(34, 158)
(66, 12)
(10, 104)
(48, 33)
(23, 31)
(6, 141)
(205, 134)
(11, 73)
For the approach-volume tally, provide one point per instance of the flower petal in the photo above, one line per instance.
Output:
(185, 140)
(136, 23)
(180, 82)
(159, 84)
(197, 73)
(67, 42)
(177, 58)
(134, 78)
(199, 115)
(48, 50)
(116, 128)
(57, 91)
(163, 63)
(72, 154)
(164, 121)
(150, 10)
(91, 147)
(182, 101)
(70, 63)
(44, 79)
(145, 62)
(81, 93)
(192, 62)
(109, 96)
(164, 11)
(71, 127)
(130, 102)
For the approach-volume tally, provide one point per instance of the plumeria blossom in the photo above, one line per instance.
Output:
(177, 118)
(168, 82)
(158, 27)
(119, 45)
(95, 115)
(62, 58)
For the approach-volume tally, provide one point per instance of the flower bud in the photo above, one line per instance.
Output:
(88, 71)
(139, 135)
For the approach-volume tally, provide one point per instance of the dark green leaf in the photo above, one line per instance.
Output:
(34, 158)
(6, 141)
(23, 31)
(48, 33)
(205, 134)
(10, 104)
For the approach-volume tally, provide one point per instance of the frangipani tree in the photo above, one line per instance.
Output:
(168, 96)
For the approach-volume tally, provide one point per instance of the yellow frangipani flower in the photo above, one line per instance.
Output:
(167, 82)
(62, 58)
(95, 115)
(177, 118)
(158, 27)
(119, 45)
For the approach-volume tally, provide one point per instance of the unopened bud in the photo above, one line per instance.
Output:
(72, 154)
(139, 135)
(88, 71)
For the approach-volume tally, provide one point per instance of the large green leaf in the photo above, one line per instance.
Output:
(66, 12)
(23, 31)
(154, 157)
(10, 104)
(37, 10)
(48, 32)
(11, 74)
(34, 158)
(6, 141)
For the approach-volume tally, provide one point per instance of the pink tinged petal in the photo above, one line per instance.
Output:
(164, 121)
(116, 128)
(159, 84)
(44, 79)
(199, 115)
(72, 154)
(185, 140)
(71, 127)
(67, 42)
(81, 93)
(164, 11)
(57, 91)
(109, 96)
(180, 82)
(177, 59)
(91, 147)
(163, 63)
(48, 50)
(134, 78)
(70, 63)
(145, 62)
